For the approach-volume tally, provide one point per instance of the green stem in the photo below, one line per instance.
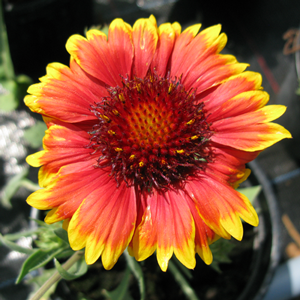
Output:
(186, 288)
(56, 276)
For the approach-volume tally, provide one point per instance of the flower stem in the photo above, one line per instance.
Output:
(186, 288)
(56, 276)
(29, 185)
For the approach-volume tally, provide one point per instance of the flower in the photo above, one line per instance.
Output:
(149, 131)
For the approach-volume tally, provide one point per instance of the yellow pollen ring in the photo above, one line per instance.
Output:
(190, 122)
(104, 117)
(138, 87)
(170, 88)
(194, 137)
(180, 151)
(118, 149)
(121, 97)
(141, 164)
(111, 132)
(132, 157)
(115, 112)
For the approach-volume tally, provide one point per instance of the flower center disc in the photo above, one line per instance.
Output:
(151, 132)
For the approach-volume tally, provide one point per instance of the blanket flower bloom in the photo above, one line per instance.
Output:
(149, 131)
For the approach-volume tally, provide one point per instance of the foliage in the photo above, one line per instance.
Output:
(34, 135)
(12, 88)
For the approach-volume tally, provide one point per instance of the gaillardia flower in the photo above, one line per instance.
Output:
(149, 131)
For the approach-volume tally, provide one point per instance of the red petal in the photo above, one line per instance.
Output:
(104, 60)
(69, 188)
(164, 48)
(72, 90)
(182, 50)
(63, 145)
(104, 223)
(229, 164)
(216, 97)
(168, 226)
(220, 206)
(145, 38)
(251, 131)
(204, 236)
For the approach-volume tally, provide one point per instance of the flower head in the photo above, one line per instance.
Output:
(149, 131)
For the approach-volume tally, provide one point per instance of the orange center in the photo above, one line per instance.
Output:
(151, 132)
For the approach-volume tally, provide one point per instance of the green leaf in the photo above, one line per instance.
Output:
(8, 95)
(137, 272)
(11, 188)
(6, 65)
(66, 253)
(17, 235)
(221, 250)
(250, 192)
(105, 29)
(62, 234)
(23, 82)
(13, 246)
(36, 260)
(34, 135)
(41, 223)
(23, 79)
(77, 270)
(121, 292)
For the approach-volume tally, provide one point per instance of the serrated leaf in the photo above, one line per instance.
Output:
(77, 270)
(11, 188)
(250, 192)
(37, 260)
(14, 246)
(137, 272)
(34, 135)
(62, 234)
(121, 292)
(8, 95)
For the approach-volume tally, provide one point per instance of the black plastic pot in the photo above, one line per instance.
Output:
(267, 244)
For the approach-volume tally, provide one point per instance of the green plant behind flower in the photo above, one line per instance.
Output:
(12, 87)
